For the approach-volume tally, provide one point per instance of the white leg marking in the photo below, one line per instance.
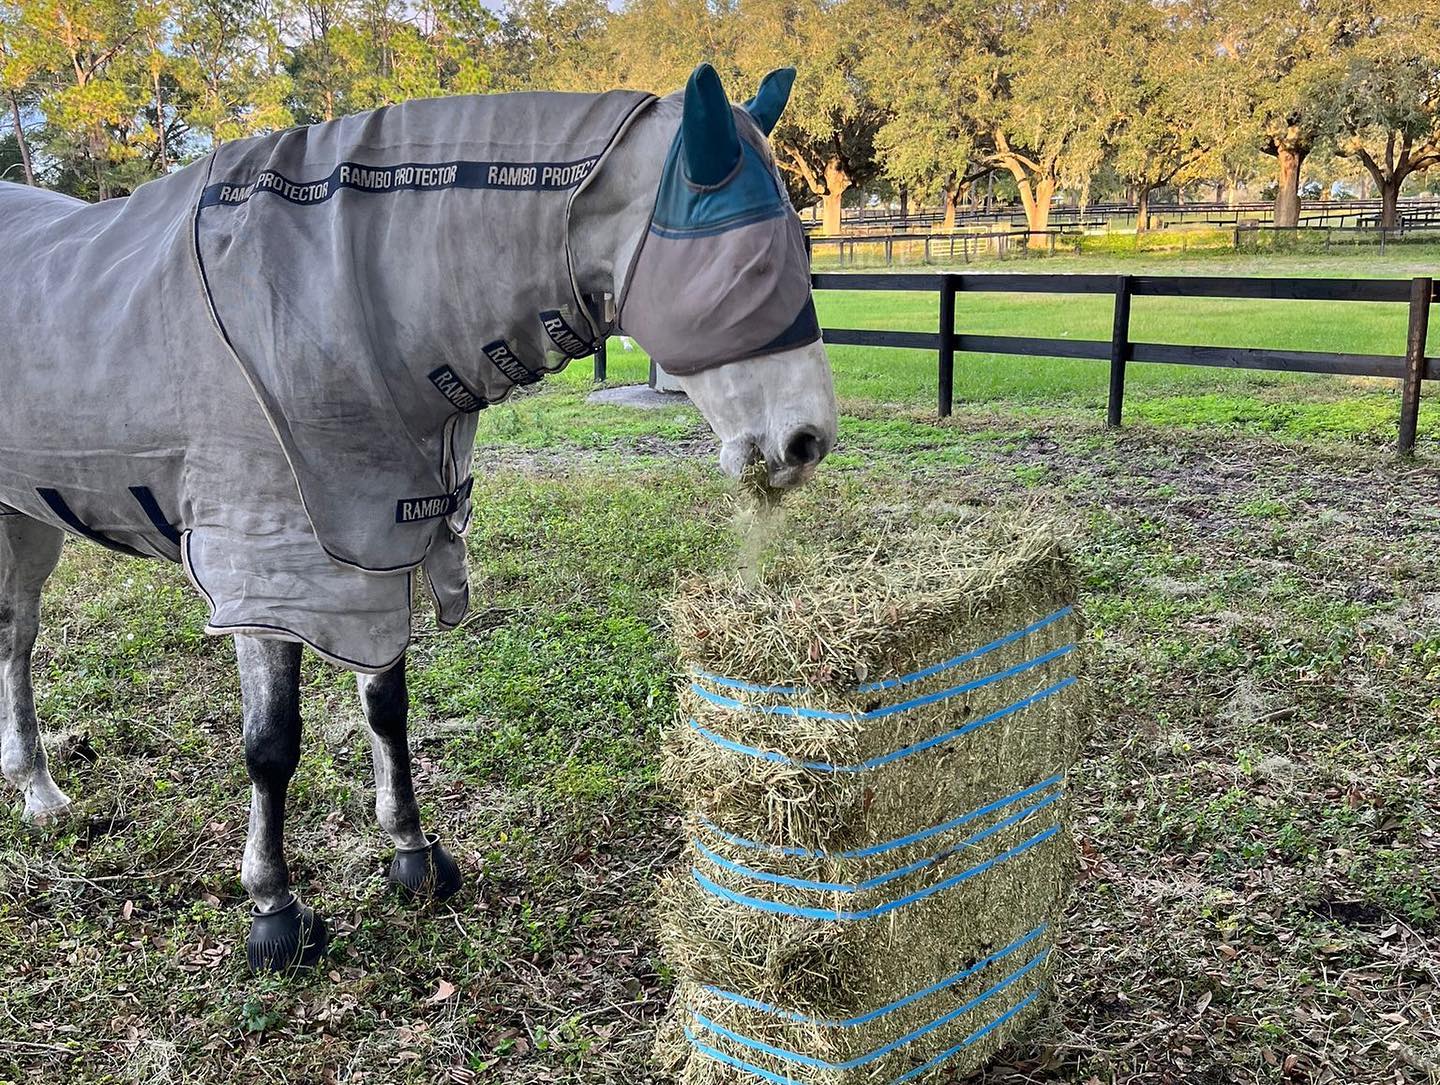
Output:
(28, 554)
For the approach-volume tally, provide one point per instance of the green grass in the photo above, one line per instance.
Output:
(1297, 404)
(1257, 812)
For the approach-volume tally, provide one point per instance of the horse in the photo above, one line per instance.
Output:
(267, 366)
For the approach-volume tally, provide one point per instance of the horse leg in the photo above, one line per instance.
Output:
(422, 867)
(283, 933)
(29, 551)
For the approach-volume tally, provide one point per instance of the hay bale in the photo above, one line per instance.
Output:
(872, 751)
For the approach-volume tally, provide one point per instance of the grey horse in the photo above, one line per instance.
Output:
(267, 366)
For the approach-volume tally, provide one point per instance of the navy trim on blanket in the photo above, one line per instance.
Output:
(74, 523)
(146, 500)
(405, 177)
(265, 629)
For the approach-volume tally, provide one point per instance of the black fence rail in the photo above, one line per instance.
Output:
(1410, 369)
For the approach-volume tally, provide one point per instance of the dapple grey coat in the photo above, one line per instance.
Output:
(225, 368)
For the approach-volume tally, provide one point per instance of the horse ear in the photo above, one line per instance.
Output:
(770, 100)
(707, 131)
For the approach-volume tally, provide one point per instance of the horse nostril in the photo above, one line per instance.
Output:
(804, 448)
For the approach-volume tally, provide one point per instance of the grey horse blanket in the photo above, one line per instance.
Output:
(227, 368)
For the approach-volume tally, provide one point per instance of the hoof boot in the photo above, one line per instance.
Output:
(290, 937)
(426, 873)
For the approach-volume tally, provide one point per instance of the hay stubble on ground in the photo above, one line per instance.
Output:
(1259, 823)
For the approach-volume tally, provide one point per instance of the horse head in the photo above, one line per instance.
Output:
(718, 291)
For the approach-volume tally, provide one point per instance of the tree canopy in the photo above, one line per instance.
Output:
(1094, 97)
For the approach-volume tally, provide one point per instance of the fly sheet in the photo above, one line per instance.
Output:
(268, 364)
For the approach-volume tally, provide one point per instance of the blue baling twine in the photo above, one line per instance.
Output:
(892, 683)
(721, 701)
(880, 879)
(889, 1008)
(978, 1034)
(880, 1052)
(892, 845)
(776, 907)
(909, 1075)
(884, 759)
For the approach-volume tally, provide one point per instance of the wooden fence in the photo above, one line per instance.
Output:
(1410, 369)
(1421, 210)
(921, 249)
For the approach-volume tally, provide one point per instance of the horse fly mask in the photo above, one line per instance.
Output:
(253, 365)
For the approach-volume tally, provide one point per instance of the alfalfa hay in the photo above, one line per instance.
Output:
(872, 749)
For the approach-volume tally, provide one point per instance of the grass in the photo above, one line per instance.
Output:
(1294, 404)
(1259, 823)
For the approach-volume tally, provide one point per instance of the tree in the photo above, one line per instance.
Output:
(925, 144)
(825, 141)
(824, 144)
(1177, 102)
(230, 64)
(1390, 100)
(91, 109)
(1291, 59)
(19, 67)
(1052, 110)
(555, 45)
(1015, 85)
(654, 44)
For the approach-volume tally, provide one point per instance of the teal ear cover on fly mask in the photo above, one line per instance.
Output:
(722, 273)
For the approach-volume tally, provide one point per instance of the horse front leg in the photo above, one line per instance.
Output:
(29, 551)
(283, 932)
(421, 867)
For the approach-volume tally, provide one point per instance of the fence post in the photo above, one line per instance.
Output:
(1119, 351)
(600, 360)
(947, 344)
(1421, 291)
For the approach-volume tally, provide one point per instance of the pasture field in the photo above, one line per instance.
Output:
(1259, 815)
(1298, 404)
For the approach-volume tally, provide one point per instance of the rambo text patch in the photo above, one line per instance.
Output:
(504, 359)
(411, 510)
(566, 339)
(457, 391)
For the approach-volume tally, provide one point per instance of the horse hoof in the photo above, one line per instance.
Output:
(288, 938)
(45, 805)
(426, 873)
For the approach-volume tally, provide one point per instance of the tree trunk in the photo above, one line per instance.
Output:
(160, 124)
(1287, 192)
(1037, 212)
(952, 198)
(836, 183)
(904, 204)
(1389, 201)
(1142, 210)
(25, 164)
